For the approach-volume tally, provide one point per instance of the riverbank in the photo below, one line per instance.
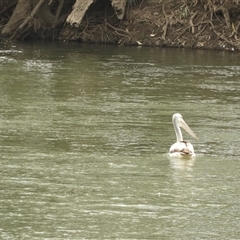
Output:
(183, 24)
(198, 26)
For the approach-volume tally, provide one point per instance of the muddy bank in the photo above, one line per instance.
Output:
(201, 24)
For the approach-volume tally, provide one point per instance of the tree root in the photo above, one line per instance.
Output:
(7, 8)
(31, 15)
(236, 46)
(199, 23)
(55, 21)
(165, 27)
(191, 21)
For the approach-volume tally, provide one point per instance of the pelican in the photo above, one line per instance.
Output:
(181, 148)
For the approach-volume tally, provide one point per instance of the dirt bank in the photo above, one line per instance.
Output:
(204, 24)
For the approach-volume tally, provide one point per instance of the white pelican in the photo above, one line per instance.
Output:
(181, 148)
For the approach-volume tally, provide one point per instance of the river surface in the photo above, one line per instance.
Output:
(84, 136)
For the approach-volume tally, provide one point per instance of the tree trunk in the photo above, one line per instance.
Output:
(20, 13)
(31, 16)
(79, 9)
(36, 16)
(183, 23)
(119, 7)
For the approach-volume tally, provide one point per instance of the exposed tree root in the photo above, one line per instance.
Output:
(183, 23)
(8, 7)
(31, 15)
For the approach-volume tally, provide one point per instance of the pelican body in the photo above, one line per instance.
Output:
(181, 148)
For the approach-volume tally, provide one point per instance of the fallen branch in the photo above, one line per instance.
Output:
(58, 12)
(165, 27)
(79, 9)
(117, 31)
(119, 8)
(184, 30)
(236, 46)
(34, 11)
(191, 22)
(226, 16)
(201, 31)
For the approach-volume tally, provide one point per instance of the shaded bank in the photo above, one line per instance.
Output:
(206, 24)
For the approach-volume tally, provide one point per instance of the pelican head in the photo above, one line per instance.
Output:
(178, 122)
(181, 147)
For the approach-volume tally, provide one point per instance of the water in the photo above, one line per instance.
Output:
(85, 131)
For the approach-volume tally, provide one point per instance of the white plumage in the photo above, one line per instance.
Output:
(181, 148)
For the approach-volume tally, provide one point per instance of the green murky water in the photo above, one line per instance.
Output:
(84, 132)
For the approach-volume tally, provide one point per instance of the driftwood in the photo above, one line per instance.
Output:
(119, 8)
(80, 7)
(36, 14)
(188, 23)
(78, 12)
